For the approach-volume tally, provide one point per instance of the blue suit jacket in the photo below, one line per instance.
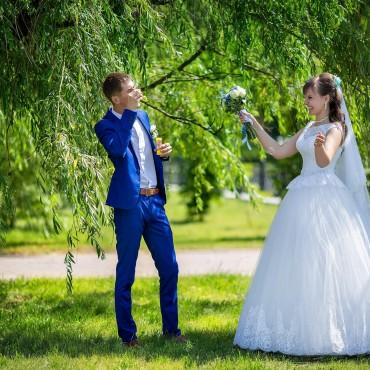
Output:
(115, 135)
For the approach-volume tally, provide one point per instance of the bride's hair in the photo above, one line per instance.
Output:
(325, 84)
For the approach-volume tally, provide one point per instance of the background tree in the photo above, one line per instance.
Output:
(54, 56)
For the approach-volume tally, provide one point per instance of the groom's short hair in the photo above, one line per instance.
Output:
(113, 83)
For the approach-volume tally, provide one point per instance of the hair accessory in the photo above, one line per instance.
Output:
(337, 81)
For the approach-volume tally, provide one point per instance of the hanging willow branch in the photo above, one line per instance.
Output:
(55, 53)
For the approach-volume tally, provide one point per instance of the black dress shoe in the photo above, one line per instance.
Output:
(131, 343)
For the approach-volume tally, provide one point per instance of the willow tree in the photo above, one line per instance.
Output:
(54, 56)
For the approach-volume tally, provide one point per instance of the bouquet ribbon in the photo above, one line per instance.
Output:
(247, 130)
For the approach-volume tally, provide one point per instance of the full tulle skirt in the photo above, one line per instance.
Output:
(310, 294)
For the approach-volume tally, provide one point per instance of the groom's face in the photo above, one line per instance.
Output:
(121, 98)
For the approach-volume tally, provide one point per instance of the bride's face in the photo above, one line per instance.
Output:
(315, 103)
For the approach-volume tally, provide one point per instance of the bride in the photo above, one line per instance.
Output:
(310, 294)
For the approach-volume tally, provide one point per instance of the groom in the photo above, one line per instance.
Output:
(137, 194)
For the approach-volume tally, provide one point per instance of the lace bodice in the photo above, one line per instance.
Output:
(312, 174)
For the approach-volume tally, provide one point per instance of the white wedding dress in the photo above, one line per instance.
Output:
(310, 294)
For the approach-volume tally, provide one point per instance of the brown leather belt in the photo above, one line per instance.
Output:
(149, 192)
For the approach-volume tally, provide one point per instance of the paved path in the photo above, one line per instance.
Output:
(235, 261)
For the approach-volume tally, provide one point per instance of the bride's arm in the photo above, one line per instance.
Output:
(271, 146)
(327, 145)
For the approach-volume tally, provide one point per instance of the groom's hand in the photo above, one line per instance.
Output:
(133, 99)
(165, 150)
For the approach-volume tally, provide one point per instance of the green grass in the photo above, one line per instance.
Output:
(41, 327)
(229, 224)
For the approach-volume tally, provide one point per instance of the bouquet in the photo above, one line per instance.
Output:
(234, 102)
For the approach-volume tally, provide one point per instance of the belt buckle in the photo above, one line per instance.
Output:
(148, 191)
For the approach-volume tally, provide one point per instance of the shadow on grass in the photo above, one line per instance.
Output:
(33, 242)
(242, 239)
(186, 221)
(256, 238)
(48, 325)
(203, 347)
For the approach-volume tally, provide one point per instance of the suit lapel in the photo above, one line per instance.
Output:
(109, 115)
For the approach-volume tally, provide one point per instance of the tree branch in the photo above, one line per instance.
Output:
(161, 2)
(207, 76)
(249, 66)
(184, 120)
(178, 69)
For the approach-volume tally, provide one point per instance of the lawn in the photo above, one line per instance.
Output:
(231, 223)
(43, 328)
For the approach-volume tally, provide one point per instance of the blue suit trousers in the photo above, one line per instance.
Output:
(147, 219)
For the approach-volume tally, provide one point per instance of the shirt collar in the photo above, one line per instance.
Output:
(118, 115)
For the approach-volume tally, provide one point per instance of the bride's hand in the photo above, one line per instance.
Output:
(245, 116)
(320, 140)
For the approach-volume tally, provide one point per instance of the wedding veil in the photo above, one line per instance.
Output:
(350, 168)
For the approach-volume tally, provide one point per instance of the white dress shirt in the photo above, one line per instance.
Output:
(144, 153)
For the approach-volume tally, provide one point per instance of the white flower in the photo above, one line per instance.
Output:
(153, 131)
(242, 92)
(234, 93)
(237, 92)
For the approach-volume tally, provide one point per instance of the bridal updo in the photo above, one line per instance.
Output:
(326, 84)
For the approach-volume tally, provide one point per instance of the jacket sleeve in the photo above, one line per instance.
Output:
(116, 139)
